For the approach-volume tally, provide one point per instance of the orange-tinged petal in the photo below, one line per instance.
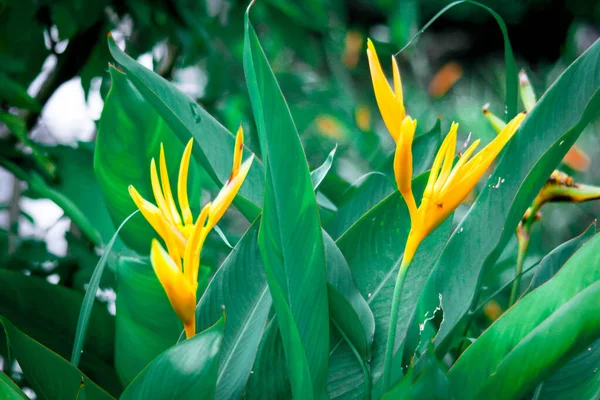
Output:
(166, 188)
(238, 152)
(182, 195)
(391, 108)
(178, 289)
(403, 163)
(227, 194)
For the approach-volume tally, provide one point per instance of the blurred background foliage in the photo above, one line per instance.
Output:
(54, 76)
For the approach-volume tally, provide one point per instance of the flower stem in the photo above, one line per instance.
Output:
(391, 340)
(523, 234)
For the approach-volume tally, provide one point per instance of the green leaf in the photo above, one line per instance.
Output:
(538, 147)
(577, 379)
(348, 309)
(269, 379)
(187, 119)
(317, 175)
(534, 337)
(145, 321)
(90, 297)
(9, 390)
(364, 194)
(553, 261)
(50, 375)
(32, 305)
(290, 237)
(239, 286)
(373, 247)
(119, 160)
(185, 371)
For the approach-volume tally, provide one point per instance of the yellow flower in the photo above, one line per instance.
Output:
(448, 185)
(177, 267)
(389, 101)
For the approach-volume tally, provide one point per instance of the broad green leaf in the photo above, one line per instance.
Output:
(50, 375)
(578, 379)
(364, 194)
(32, 305)
(145, 321)
(543, 139)
(373, 247)
(290, 238)
(187, 119)
(240, 288)
(269, 379)
(75, 170)
(9, 390)
(534, 337)
(553, 261)
(187, 370)
(90, 297)
(127, 121)
(348, 309)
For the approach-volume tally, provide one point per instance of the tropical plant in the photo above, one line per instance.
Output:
(331, 290)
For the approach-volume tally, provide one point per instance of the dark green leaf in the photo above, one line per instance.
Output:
(239, 286)
(185, 371)
(50, 375)
(534, 337)
(33, 304)
(290, 237)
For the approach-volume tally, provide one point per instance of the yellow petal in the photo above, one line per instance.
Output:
(397, 82)
(227, 194)
(435, 169)
(157, 220)
(150, 212)
(179, 291)
(182, 195)
(403, 163)
(166, 188)
(191, 260)
(238, 151)
(484, 158)
(391, 108)
(458, 171)
(158, 194)
(448, 158)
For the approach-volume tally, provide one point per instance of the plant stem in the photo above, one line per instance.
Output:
(391, 340)
(523, 234)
